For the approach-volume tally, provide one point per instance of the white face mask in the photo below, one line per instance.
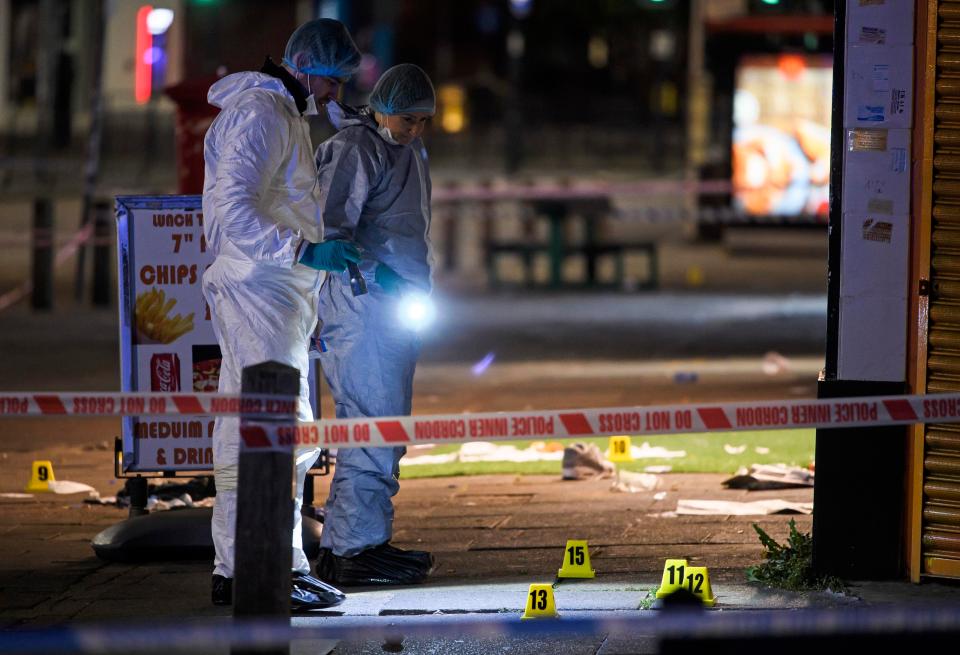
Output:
(311, 109)
(387, 135)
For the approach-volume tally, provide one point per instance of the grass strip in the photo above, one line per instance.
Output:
(705, 454)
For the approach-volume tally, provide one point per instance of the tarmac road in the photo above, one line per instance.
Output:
(548, 351)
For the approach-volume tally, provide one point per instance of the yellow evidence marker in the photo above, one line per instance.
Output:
(540, 603)
(41, 475)
(576, 560)
(677, 575)
(619, 449)
(695, 276)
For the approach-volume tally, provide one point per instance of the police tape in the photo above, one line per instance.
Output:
(370, 432)
(151, 404)
(490, 426)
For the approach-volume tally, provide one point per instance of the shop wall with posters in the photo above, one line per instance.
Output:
(877, 116)
(858, 524)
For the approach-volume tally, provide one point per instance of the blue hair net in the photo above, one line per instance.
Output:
(322, 47)
(403, 88)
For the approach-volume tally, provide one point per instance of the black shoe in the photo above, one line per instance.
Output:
(380, 565)
(221, 592)
(306, 593)
(326, 595)
(424, 558)
(304, 600)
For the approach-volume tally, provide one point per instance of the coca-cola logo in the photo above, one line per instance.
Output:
(165, 371)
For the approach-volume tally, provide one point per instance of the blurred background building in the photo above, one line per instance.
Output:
(642, 87)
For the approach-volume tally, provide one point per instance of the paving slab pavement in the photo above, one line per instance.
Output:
(492, 535)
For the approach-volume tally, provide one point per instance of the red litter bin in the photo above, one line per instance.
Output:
(194, 116)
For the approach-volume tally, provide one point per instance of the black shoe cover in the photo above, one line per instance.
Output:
(306, 593)
(326, 595)
(380, 565)
(221, 591)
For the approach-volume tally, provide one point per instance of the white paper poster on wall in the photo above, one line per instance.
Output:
(878, 87)
(880, 22)
(873, 297)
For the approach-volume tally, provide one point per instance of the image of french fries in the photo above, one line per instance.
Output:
(152, 309)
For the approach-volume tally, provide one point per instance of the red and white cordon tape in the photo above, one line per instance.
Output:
(489, 426)
(134, 404)
(601, 422)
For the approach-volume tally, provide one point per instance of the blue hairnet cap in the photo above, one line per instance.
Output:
(322, 47)
(403, 88)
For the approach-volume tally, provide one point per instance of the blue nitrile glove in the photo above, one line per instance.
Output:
(330, 255)
(388, 279)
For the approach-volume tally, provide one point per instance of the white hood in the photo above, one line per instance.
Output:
(227, 89)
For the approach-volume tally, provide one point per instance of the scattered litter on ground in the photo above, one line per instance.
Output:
(774, 363)
(630, 482)
(770, 476)
(582, 461)
(660, 495)
(198, 492)
(15, 495)
(734, 450)
(154, 504)
(97, 499)
(69, 487)
(659, 468)
(485, 451)
(686, 506)
(445, 458)
(762, 450)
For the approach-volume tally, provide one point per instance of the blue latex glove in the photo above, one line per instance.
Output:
(330, 255)
(388, 279)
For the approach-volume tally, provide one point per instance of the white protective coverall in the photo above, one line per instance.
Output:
(375, 193)
(260, 206)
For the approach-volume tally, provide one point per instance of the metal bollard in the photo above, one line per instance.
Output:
(262, 560)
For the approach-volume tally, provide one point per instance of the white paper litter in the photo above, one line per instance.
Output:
(774, 364)
(660, 495)
(630, 482)
(429, 459)
(154, 504)
(770, 476)
(728, 507)
(659, 468)
(486, 451)
(734, 450)
(762, 450)
(69, 487)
